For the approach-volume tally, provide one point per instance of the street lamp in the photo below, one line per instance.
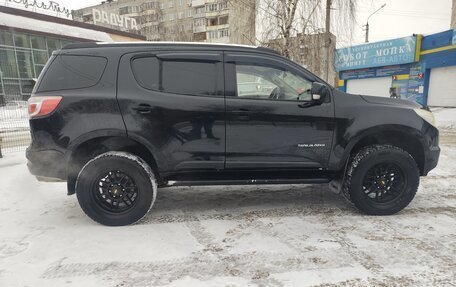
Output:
(367, 22)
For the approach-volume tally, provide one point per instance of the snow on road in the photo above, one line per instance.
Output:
(286, 235)
(445, 117)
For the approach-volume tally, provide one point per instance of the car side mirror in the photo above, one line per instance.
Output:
(319, 92)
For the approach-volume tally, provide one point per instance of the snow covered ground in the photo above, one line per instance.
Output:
(286, 235)
(446, 118)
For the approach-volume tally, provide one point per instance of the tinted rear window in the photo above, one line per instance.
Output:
(179, 77)
(72, 72)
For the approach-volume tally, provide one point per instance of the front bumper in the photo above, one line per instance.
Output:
(46, 165)
(432, 158)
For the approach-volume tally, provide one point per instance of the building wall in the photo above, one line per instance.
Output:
(411, 80)
(27, 40)
(227, 21)
(22, 57)
(453, 15)
(309, 52)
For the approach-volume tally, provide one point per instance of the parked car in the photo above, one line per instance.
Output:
(118, 121)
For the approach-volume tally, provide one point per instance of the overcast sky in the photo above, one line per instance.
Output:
(399, 18)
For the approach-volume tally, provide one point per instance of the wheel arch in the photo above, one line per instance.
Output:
(404, 137)
(86, 150)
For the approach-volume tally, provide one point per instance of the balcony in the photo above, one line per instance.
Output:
(196, 3)
(199, 29)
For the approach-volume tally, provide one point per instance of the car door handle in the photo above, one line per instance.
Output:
(143, 108)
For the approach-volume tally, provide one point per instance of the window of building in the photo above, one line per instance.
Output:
(223, 5)
(40, 57)
(224, 33)
(212, 34)
(171, 4)
(87, 18)
(123, 10)
(25, 64)
(212, 21)
(181, 15)
(22, 40)
(211, 7)
(189, 13)
(200, 36)
(8, 65)
(65, 42)
(6, 38)
(223, 20)
(200, 10)
(53, 44)
(38, 42)
(178, 77)
(73, 72)
(200, 22)
(171, 17)
(180, 2)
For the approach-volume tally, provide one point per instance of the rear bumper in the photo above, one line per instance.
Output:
(46, 165)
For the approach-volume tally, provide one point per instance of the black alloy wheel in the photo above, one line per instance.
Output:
(116, 188)
(381, 179)
(384, 182)
(115, 191)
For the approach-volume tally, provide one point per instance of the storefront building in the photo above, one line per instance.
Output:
(27, 40)
(418, 68)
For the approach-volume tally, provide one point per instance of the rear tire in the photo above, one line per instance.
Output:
(381, 180)
(116, 188)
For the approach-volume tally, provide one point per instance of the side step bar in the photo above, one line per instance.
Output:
(246, 181)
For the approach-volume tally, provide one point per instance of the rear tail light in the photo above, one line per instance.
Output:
(41, 106)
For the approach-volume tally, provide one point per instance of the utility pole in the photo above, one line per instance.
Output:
(367, 22)
(328, 38)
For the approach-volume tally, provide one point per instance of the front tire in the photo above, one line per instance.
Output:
(116, 188)
(381, 180)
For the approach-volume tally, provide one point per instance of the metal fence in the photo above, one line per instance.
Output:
(14, 126)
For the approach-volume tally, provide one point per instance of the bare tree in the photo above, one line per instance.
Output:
(292, 27)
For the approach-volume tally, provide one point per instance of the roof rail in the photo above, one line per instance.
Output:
(145, 43)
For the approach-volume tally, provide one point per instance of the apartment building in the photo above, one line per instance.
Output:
(218, 21)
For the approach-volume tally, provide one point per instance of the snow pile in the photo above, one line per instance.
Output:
(13, 119)
(445, 117)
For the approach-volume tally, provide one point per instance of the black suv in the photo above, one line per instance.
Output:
(117, 121)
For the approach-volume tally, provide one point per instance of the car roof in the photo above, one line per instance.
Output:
(174, 45)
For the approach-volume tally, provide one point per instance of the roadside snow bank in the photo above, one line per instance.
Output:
(445, 117)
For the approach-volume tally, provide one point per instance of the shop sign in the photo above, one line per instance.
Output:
(384, 53)
(375, 72)
(45, 5)
(114, 19)
(415, 88)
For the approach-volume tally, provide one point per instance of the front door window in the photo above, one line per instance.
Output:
(270, 83)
